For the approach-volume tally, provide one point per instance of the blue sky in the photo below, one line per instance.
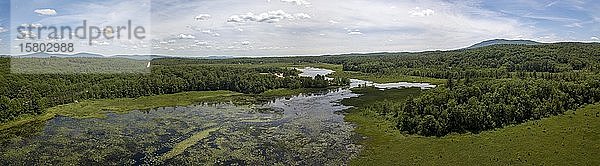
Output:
(307, 27)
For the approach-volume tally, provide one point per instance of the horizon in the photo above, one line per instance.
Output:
(307, 27)
(303, 55)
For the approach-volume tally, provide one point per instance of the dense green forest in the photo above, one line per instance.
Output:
(33, 93)
(483, 105)
(496, 61)
(487, 88)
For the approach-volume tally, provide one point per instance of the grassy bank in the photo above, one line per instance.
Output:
(570, 139)
(99, 108)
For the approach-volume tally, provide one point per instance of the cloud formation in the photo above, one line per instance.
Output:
(45, 12)
(352, 26)
(302, 16)
(202, 17)
(354, 32)
(186, 36)
(297, 2)
(267, 17)
(2, 30)
(285, 27)
(211, 32)
(418, 12)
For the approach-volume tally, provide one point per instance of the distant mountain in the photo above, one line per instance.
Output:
(140, 57)
(503, 41)
(46, 55)
(219, 57)
(89, 55)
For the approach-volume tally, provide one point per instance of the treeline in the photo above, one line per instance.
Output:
(463, 106)
(551, 58)
(499, 61)
(545, 58)
(32, 93)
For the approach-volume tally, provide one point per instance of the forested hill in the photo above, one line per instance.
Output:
(551, 58)
(503, 41)
(554, 57)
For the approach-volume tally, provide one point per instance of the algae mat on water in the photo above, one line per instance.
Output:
(298, 130)
(180, 147)
(99, 108)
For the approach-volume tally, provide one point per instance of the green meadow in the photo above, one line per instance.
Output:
(569, 139)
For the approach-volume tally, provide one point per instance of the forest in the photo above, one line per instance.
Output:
(487, 88)
(31, 94)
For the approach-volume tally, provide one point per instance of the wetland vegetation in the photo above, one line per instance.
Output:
(502, 104)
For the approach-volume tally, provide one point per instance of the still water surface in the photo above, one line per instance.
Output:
(306, 129)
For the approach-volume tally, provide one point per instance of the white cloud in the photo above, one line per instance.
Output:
(297, 2)
(354, 32)
(34, 25)
(421, 12)
(201, 43)
(574, 25)
(268, 17)
(186, 36)
(245, 43)
(2, 30)
(302, 16)
(202, 17)
(273, 16)
(211, 32)
(594, 38)
(45, 12)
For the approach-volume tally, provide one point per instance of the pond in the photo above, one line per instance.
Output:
(313, 72)
(306, 129)
(383, 86)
